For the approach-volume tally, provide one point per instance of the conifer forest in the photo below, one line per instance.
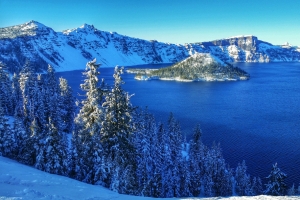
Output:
(105, 140)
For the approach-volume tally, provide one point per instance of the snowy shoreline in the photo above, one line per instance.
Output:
(207, 79)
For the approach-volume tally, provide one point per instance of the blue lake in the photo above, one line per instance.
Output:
(256, 120)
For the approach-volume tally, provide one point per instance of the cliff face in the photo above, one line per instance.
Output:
(246, 43)
(71, 49)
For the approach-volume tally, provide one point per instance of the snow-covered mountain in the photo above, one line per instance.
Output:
(19, 181)
(71, 49)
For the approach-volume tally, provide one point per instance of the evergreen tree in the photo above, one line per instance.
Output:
(40, 100)
(8, 143)
(19, 133)
(159, 152)
(27, 81)
(16, 96)
(55, 151)
(5, 91)
(176, 142)
(217, 177)
(52, 98)
(145, 142)
(166, 166)
(66, 105)
(143, 155)
(116, 130)
(86, 137)
(242, 180)
(28, 151)
(38, 138)
(196, 156)
(292, 191)
(257, 187)
(185, 183)
(276, 185)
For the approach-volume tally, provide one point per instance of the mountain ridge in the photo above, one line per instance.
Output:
(72, 48)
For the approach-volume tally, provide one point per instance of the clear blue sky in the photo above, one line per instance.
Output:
(174, 21)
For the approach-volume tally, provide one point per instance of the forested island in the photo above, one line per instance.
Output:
(198, 67)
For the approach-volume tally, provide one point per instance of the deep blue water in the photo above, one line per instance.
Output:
(256, 120)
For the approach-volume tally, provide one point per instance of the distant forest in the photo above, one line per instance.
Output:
(105, 140)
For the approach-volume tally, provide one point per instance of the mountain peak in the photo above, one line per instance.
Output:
(83, 28)
(35, 24)
(30, 28)
(87, 26)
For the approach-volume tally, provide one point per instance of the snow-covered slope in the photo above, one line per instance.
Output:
(71, 49)
(19, 181)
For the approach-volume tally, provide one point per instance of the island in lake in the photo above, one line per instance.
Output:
(198, 67)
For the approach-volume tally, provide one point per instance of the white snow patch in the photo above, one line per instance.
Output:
(19, 181)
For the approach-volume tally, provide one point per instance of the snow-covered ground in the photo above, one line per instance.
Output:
(19, 181)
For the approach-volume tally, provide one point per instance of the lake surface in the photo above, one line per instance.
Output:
(256, 120)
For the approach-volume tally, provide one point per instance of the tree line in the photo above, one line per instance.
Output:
(105, 140)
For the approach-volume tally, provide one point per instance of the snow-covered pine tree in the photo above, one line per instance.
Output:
(185, 178)
(5, 91)
(158, 189)
(176, 142)
(166, 164)
(66, 105)
(38, 102)
(19, 133)
(276, 185)
(27, 81)
(16, 96)
(155, 152)
(55, 150)
(28, 151)
(100, 168)
(292, 191)
(39, 138)
(141, 142)
(52, 98)
(217, 177)
(196, 156)
(8, 144)
(257, 187)
(145, 141)
(223, 176)
(243, 185)
(86, 136)
(116, 131)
